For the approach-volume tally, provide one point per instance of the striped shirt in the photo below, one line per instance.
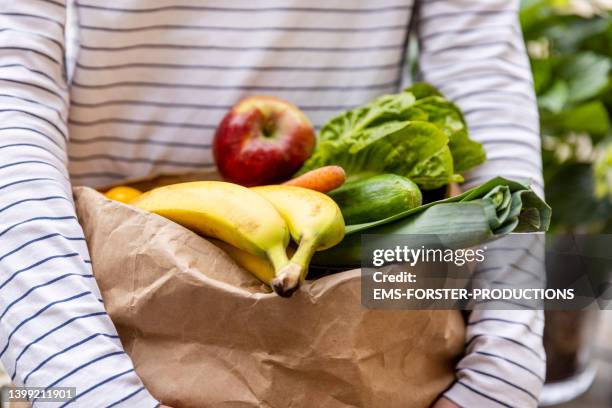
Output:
(151, 80)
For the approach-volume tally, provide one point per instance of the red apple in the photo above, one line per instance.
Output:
(262, 140)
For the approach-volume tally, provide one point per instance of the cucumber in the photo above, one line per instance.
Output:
(376, 198)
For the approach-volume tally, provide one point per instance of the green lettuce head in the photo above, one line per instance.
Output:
(416, 133)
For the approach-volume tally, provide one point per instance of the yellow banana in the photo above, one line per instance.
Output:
(226, 211)
(256, 265)
(315, 223)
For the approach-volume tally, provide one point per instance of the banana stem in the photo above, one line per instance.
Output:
(290, 277)
(288, 280)
(278, 257)
(304, 253)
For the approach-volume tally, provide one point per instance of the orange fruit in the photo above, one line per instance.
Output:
(123, 194)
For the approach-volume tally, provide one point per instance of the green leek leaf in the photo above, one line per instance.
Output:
(479, 215)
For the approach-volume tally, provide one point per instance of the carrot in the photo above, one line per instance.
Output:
(323, 179)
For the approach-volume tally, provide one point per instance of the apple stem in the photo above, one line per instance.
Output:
(268, 128)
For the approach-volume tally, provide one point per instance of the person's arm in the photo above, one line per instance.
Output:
(473, 51)
(54, 330)
(504, 362)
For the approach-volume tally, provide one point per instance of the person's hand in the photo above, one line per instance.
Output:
(444, 403)
(164, 406)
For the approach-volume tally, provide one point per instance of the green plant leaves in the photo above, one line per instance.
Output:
(590, 117)
(586, 75)
(571, 189)
(577, 78)
(542, 74)
(572, 67)
(603, 174)
(555, 98)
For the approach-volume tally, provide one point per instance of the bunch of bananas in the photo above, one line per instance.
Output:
(254, 225)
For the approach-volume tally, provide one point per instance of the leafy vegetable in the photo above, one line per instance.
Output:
(496, 208)
(417, 134)
(466, 152)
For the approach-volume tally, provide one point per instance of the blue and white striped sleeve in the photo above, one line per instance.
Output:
(473, 51)
(54, 330)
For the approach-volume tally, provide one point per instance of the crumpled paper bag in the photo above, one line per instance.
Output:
(202, 332)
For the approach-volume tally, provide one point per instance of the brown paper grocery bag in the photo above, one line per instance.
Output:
(202, 332)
